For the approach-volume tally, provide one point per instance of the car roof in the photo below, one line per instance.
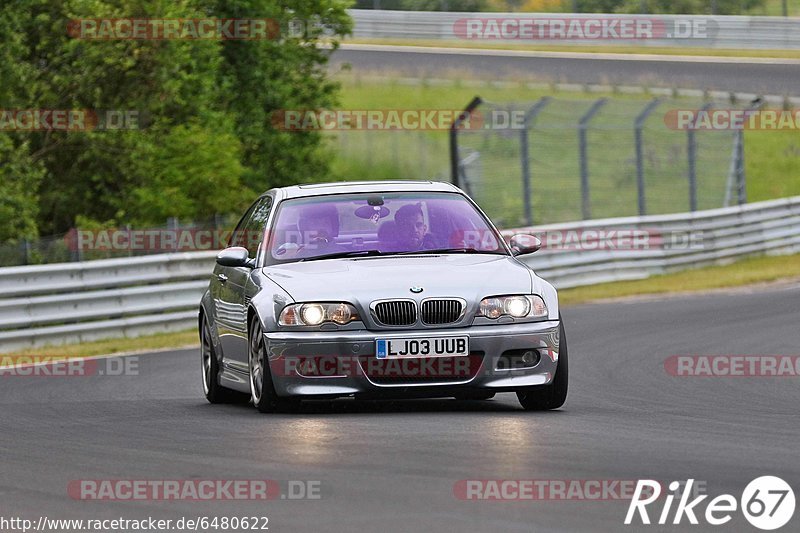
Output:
(343, 187)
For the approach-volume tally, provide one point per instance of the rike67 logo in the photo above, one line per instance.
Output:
(767, 503)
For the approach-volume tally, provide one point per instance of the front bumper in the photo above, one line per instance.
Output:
(345, 362)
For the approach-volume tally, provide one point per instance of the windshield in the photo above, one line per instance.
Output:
(379, 224)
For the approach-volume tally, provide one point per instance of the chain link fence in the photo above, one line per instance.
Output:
(575, 159)
(570, 158)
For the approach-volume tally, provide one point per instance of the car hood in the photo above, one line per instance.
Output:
(471, 277)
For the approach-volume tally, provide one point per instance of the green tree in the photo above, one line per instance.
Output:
(20, 173)
(101, 174)
(286, 73)
(19, 178)
(204, 143)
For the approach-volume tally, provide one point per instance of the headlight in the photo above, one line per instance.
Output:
(314, 314)
(529, 306)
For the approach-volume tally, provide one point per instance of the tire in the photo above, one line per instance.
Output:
(476, 396)
(262, 390)
(552, 396)
(214, 392)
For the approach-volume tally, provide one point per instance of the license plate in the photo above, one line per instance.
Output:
(421, 347)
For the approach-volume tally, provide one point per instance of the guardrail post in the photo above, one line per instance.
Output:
(530, 116)
(455, 172)
(691, 154)
(637, 128)
(583, 126)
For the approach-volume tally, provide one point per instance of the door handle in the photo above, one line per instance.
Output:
(222, 278)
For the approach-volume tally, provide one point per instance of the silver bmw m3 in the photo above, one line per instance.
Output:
(378, 290)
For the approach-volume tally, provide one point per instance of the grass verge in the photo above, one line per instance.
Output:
(587, 49)
(749, 271)
(744, 272)
(110, 346)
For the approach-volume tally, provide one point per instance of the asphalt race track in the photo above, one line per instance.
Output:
(393, 466)
(756, 75)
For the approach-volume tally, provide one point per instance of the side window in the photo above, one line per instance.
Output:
(254, 231)
(238, 235)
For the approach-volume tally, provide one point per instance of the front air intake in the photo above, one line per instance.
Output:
(441, 311)
(396, 312)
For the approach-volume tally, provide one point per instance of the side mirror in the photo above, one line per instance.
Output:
(236, 256)
(522, 243)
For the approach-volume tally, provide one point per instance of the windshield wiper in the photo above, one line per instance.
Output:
(338, 255)
(452, 251)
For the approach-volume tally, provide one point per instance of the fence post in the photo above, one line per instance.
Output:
(25, 246)
(741, 178)
(80, 249)
(530, 116)
(691, 153)
(741, 185)
(583, 125)
(173, 224)
(454, 157)
(637, 128)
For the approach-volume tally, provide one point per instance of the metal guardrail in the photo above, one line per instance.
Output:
(73, 302)
(77, 302)
(714, 31)
(702, 238)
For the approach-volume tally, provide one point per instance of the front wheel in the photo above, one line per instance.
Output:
(262, 390)
(552, 396)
